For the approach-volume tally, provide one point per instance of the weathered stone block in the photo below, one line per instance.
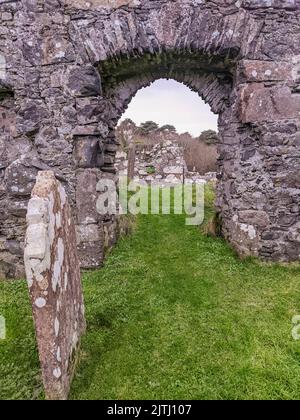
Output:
(53, 275)
(2, 67)
(244, 237)
(110, 234)
(99, 4)
(288, 179)
(86, 152)
(174, 170)
(86, 196)
(57, 49)
(91, 254)
(89, 110)
(279, 4)
(90, 244)
(89, 233)
(84, 81)
(11, 266)
(14, 247)
(99, 129)
(254, 217)
(20, 178)
(259, 103)
(31, 116)
(261, 71)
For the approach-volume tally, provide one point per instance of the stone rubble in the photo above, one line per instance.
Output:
(161, 165)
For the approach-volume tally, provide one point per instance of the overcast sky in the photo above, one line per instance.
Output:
(170, 102)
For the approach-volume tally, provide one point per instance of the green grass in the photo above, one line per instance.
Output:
(19, 367)
(172, 315)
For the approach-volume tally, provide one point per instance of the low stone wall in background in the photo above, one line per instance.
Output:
(162, 164)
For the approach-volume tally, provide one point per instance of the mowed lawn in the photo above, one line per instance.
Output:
(174, 314)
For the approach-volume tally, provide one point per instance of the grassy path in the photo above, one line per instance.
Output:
(172, 315)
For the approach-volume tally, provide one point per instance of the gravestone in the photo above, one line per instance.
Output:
(53, 275)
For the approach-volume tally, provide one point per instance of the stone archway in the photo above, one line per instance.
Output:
(73, 67)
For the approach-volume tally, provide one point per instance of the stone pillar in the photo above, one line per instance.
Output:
(89, 227)
(258, 195)
(53, 275)
(131, 161)
(96, 233)
(2, 67)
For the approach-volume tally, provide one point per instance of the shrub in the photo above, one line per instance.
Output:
(150, 170)
(199, 157)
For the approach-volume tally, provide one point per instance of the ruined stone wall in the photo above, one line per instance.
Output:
(53, 275)
(163, 162)
(68, 70)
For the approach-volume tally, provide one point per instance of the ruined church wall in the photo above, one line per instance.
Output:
(59, 109)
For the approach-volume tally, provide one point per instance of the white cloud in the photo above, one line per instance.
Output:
(170, 102)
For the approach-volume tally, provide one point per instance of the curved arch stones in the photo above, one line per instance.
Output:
(70, 67)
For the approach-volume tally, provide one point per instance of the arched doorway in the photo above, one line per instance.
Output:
(75, 73)
(171, 132)
(213, 79)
